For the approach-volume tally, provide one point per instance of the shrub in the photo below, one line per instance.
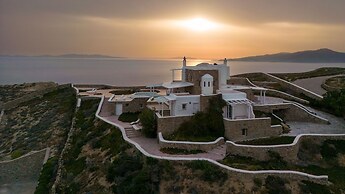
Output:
(314, 188)
(333, 102)
(331, 148)
(47, 174)
(210, 172)
(16, 154)
(149, 123)
(180, 151)
(129, 117)
(207, 125)
(276, 185)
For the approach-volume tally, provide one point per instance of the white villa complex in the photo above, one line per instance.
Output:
(178, 100)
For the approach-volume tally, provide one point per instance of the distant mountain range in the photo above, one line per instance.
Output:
(66, 56)
(311, 56)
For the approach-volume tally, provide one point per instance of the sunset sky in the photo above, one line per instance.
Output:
(165, 29)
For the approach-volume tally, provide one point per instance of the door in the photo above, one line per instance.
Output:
(118, 109)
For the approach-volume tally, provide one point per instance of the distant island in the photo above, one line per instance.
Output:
(310, 56)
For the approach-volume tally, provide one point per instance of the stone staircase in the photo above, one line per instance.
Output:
(131, 133)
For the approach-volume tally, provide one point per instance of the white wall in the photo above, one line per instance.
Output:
(240, 110)
(189, 101)
(234, 95)
(118, 109)
(223, 74)
(206, 84)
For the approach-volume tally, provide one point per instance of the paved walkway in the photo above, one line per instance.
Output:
(313, 84)
(151, 145)
(337, 125)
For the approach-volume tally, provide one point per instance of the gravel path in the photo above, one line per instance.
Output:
(337, 125)
(18, 188)
(313, 84)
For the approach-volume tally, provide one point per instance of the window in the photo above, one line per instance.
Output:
(209, 84)
(141, 105)
(245, 132)
(184, 106)
(204, 84)
(127, 104)
(229, 112)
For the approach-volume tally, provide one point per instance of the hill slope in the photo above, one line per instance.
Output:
(310, 56)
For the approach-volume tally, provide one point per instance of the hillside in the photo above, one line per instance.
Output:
(310, 56)
(99, 160)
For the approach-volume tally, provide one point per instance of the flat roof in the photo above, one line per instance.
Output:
(176, 84)
(130, 97)
(205, 66)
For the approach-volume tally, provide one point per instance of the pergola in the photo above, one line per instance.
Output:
(231, 105)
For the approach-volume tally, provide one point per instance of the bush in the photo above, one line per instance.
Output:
(331, 148)
(333, 102)
(314, 188)
(269, 141)
(47, 174)
(149, 123)
(129, 117)
(207, 125)
(180, 151)
(210, 173)
(16, 154)
(276, 185)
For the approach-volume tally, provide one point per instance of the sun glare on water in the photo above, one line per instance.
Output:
(199, 24)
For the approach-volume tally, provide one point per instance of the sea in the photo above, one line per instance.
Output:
(123, 71)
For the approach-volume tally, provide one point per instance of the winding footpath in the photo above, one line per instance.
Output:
(158, 155)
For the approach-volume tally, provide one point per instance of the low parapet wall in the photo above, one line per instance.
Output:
(328, 87)
(254, 128)
(321, 179)
(280, 94)
(293, 87)
(187, 145)
(238, 81)
(287, 151)
(167, 125)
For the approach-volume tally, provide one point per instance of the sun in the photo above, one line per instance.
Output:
(199, 24)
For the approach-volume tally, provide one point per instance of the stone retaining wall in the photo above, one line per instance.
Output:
(255, 128)
(205, 101)
(167, 125)
(287, 151)
(136, 105)
(267, 84)
(329, 88)
(186, 145)
(286, 96)
(25, 168)
(291, 112)
(238, 81)
(108, 108)
(323, 179)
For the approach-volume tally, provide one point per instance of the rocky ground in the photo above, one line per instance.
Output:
(36, 124)
(100, 161)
